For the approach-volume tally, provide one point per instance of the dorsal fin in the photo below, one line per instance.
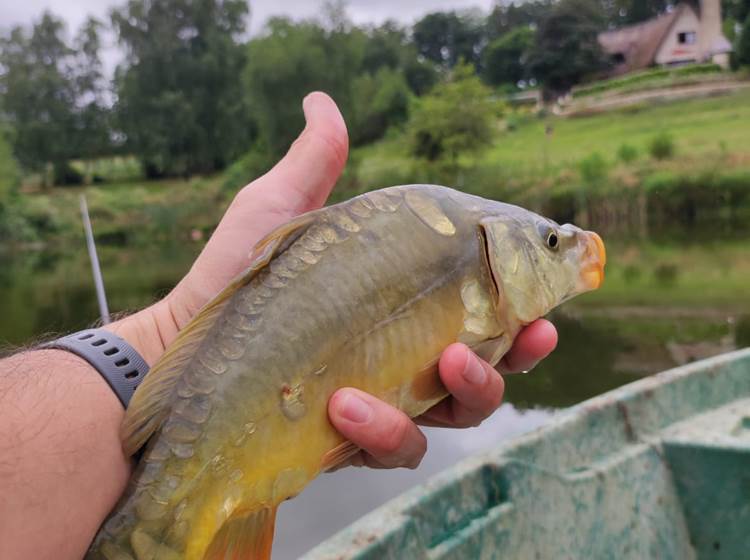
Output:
(151, 402)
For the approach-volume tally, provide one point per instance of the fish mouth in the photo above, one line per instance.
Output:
(594, 259)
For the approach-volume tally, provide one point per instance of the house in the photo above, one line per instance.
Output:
(688, 33)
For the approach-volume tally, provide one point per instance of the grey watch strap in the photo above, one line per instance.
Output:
(118, 363)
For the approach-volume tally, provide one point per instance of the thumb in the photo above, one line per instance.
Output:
(303, 179)
(300, 182)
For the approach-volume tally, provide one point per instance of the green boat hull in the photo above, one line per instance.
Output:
(659, 468)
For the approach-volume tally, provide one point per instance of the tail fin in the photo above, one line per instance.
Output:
(246, 535)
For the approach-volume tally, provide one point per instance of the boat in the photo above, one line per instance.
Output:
(659, 468)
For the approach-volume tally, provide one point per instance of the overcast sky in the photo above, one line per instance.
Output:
(361, 11)
(14, 12)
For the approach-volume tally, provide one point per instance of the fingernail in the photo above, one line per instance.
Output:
(530, 367)
(473, 371)
(355, 409)
(307, 101)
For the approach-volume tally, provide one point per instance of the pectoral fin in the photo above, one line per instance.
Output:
(493, 350)
(246, 535)
(338, 456)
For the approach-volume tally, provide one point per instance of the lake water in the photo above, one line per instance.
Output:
(663, 304)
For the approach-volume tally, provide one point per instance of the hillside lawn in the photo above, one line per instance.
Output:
(701, 128)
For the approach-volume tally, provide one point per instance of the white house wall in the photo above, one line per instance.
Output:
(671, 50)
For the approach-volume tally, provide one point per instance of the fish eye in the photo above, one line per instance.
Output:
(552, 240)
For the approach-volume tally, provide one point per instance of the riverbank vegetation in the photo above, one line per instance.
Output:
(660, 169)
(162, 146)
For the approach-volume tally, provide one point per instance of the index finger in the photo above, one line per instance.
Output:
(532, 345)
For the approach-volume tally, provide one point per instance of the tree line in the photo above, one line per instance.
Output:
(191, 94)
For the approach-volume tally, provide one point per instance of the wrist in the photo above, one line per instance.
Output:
(149, 331)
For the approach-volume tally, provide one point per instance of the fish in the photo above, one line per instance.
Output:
(366, 293)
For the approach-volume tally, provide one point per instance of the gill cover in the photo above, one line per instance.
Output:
(537, 264)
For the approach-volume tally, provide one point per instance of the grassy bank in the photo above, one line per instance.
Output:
(124, 213)
(600, 171)
(540, 147)
(592, 169)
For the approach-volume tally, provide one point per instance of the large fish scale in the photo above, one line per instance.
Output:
(371, 291)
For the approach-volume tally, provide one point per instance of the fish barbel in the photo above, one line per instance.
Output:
(365, 294)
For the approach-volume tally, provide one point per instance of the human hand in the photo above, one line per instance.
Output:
(301, 182)
(388, 438)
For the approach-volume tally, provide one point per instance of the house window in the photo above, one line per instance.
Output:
(686, 37)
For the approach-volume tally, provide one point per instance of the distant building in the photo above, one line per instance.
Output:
(687, 34)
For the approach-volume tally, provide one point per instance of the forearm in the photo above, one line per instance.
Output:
(62, 468)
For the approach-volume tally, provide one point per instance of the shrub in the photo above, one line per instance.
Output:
(593, 169)
(662, 146)
(627, 153)
(457, 117)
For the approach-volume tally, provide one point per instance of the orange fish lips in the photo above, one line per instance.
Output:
(594, 259)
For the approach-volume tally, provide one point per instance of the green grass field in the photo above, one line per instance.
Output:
(702, 128)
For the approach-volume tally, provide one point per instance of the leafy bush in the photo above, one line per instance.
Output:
(627, 153)
(662, 146)
(458, 116)
(593, 169)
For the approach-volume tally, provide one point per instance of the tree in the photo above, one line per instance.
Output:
(389, 46)
(626, 12)
(93, 138)
(566, 49)
(458, 116)
(737, 10)
(8, 173)
(742, 51)
(448, 37)
(506, 17)
(287, 62)
(504, 60)
(39, 94)
(9, 177)
(421, 75)
(367, 71)
(179, 96)
(387, 96)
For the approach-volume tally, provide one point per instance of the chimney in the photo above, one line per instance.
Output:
(709, 31)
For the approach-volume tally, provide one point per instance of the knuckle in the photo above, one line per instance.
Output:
(415, 458)
(336, 145)
(395, 438)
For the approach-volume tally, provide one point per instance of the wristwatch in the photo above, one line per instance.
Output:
(121, 366)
